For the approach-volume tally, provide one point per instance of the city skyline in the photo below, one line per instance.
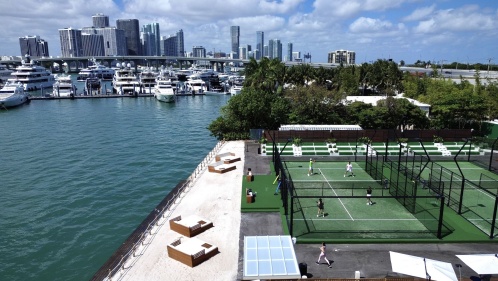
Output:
(408, 30)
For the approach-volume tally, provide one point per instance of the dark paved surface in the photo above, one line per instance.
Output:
(372, 260)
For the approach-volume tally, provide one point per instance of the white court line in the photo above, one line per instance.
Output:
(336, 195)
(334, 180)
(362, 219)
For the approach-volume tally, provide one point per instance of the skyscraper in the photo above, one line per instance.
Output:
(270, 49)
(277, 49)
(260, 41)
(114, 39)
(198, 52)
(100, 20)
(235, 33)
(71, 45)
(180, 43)
(92, 45)
(170, 46)
(33, 46)
(289, 51)
(131, 29)
(154, 38)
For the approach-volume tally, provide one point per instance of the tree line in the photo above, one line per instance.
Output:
(274, 94)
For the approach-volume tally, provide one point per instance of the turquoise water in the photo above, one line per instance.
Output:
(78, 176)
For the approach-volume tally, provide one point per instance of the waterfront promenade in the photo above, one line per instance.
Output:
(216, 197)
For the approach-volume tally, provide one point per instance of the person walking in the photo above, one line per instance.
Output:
(310, 169)
(323, 255)
(319, 204)
(369, 195)
(349, 169)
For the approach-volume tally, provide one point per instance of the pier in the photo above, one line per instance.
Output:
(110, 96)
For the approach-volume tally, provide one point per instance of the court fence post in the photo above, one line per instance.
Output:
(440, 224)
(493, 222)
(291, 222)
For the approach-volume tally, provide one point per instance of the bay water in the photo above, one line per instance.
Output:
(78, 176)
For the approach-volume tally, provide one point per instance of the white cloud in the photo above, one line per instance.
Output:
(420, 13)
(280, 7)
(466, 18)
(341, 9)
(375, 27)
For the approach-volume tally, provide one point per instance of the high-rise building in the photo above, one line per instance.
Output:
(170, 46)
(289, 52)
(148, 43)
(114, 39)
(242, 53)
(33, 46)
(270, 49)
(342, 56)
(235, 34)
(266, 51)
(198, 52)
(100, 20)
(296, 56)
(277, 49)
(260, 43)
(71, 45)
(152, 29)
(131, 29)
(180, 47)
(93, 45)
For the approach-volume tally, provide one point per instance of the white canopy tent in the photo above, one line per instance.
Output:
(422, 267)
(481, 263)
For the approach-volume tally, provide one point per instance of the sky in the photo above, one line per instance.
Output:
(439, 30)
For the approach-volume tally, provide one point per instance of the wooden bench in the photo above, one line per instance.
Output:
(220, 167)
(190, 226)
(227, 157)
(191, 251)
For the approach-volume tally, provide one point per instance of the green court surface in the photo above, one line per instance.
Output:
(349, 219)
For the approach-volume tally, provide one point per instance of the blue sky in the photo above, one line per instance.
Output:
(409, 30)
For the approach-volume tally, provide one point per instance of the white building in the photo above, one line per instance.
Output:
(342, 56)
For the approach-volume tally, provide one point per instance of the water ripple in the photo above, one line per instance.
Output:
(79, 176)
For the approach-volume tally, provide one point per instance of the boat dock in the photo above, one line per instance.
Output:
(103, 96)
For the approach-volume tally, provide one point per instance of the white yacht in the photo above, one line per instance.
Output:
(163, 90)
(125, 82)
(12, 94)
(235, 90)
(147, 80)
(4, 73)
(195, 87)
(96, 70)
(64, 86)
(32, 76)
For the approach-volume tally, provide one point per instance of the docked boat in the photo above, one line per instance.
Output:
(125, 82)
(32, 76)
(147, 79)
(96, 70)
(235, 89)
(12, 94)
(195, 87)
(164, 90)
(64, 86)
(4, 73)
(93, 86)
(215, 88)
